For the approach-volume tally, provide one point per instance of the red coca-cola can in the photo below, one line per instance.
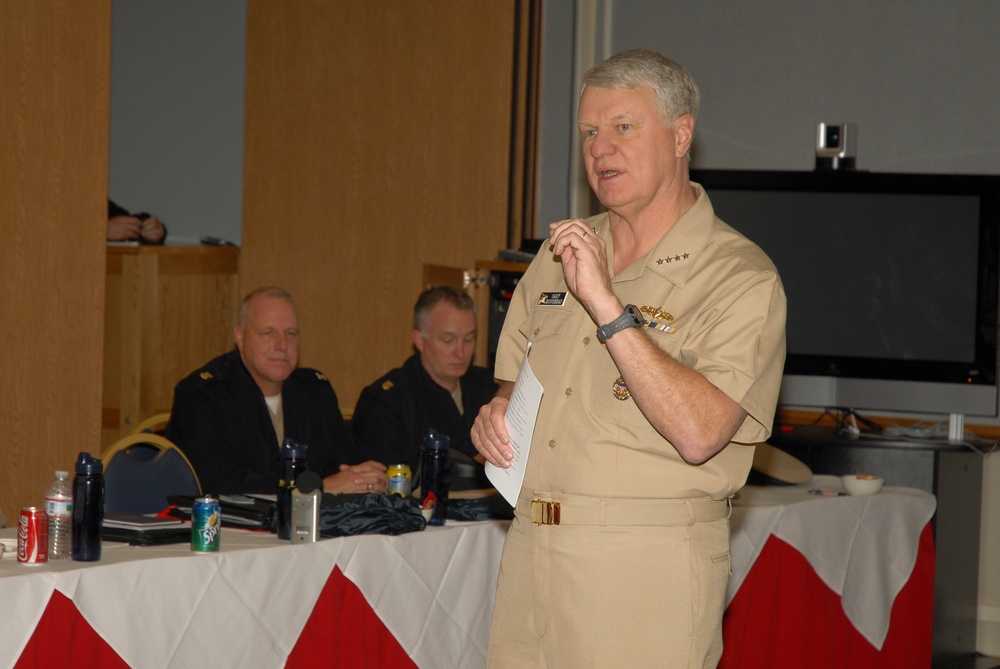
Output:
(33, 536)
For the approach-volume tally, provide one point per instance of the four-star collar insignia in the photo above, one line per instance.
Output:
(669, 259)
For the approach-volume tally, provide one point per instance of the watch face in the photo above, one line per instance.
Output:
(636, 314)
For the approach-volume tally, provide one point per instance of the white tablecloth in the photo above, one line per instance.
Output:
(432, 589)
(863, 548)
(246, 605)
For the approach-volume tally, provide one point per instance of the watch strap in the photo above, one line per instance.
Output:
(630, 318)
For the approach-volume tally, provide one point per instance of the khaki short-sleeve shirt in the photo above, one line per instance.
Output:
(721, 306)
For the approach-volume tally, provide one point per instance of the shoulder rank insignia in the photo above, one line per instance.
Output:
(206, 375)
(670, 259)
(321, 376)
(386, 385)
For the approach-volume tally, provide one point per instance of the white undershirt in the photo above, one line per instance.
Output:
(274, 408)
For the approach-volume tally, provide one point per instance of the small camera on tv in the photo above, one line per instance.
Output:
(836, 146)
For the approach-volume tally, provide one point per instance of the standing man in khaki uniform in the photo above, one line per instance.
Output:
(657, 332)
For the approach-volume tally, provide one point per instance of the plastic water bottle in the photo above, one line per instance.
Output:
(88, 508)
(293, 463)
(59, 507)
(434, 474)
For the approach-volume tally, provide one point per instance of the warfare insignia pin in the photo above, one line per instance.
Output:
(620, 390)
(656, 313)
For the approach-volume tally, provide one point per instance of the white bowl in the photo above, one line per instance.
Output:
(862, 484)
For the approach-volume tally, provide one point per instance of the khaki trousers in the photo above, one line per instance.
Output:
(618, 596)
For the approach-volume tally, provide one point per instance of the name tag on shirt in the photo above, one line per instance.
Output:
(553, 299)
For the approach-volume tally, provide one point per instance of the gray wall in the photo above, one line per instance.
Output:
(918, 77)
(558, 111)
(177, 74)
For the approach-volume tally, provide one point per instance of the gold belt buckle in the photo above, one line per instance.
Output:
(544, 512)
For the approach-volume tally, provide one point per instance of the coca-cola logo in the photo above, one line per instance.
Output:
(24, 549)
(32, 536)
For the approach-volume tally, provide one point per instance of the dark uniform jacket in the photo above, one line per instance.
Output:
(115, 210)
(220, 420)
(394, 413)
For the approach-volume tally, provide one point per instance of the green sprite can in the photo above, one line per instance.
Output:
(206, 525)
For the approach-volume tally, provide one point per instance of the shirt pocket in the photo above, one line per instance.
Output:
(545, 323)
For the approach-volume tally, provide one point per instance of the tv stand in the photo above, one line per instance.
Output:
(949, 471)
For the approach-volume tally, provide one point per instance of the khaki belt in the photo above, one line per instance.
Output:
(634, 512)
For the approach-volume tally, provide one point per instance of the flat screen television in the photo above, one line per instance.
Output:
(892, 283)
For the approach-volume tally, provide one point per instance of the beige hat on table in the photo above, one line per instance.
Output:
(779, 466)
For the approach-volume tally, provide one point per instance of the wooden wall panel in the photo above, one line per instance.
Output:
(54, 69)
(168, 310)
(377, 140)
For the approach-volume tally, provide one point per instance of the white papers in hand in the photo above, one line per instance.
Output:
(520, 418)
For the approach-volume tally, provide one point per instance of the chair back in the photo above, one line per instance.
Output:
(155, 424)
(141, 470)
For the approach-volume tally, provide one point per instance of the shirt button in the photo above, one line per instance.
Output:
(536, 331)
(568, 391)
(586, 340)
(552, 443)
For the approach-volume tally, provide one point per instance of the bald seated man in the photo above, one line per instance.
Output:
(231, 416)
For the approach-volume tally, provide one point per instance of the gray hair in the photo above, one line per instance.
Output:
(268, 291)
(430, 297)
(672, 84)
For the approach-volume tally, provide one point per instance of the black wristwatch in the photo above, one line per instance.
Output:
(630, 318)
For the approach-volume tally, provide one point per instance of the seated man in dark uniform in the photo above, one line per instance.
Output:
(140, 227)
(437, 387)
(231, 416)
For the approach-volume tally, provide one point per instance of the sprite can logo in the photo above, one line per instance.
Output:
(206, 525)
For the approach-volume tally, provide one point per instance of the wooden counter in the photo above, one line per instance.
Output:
(168, 309)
